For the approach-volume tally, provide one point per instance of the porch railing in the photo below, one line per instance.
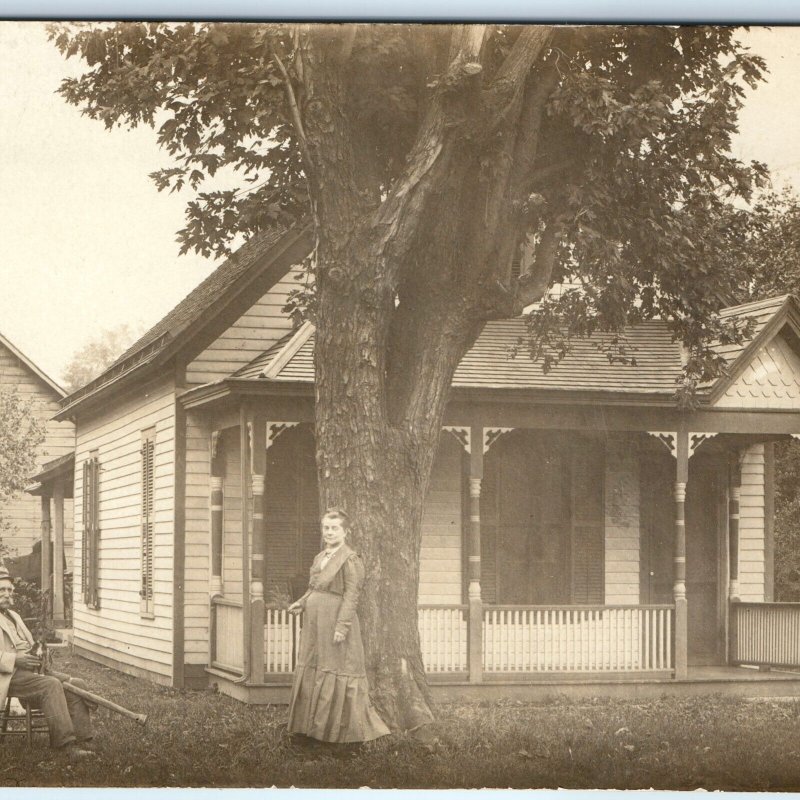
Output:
(281, 639)
(227, 620)
(516, 639)
(443, 637)
(765, 634)
(577, 638)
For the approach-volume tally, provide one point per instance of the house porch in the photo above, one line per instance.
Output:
(542, 623)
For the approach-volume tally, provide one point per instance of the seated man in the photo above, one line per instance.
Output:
(66, 714)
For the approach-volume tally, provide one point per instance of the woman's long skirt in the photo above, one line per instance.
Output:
(330, 695)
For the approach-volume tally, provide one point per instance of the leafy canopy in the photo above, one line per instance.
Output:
(626, 190)
(21, 433)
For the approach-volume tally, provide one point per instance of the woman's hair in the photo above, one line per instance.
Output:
(340, 514)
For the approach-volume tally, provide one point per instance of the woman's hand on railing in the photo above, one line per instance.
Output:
(296, 608)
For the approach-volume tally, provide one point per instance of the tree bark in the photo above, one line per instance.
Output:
(400, 283)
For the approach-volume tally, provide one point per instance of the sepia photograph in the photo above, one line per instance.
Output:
(399, 405)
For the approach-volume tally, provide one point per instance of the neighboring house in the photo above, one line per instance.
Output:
(578, 524)
(24, 513)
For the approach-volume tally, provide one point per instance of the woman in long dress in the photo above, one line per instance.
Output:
(330, 696)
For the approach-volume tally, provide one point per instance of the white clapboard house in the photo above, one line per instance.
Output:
(49, 516)
(580, 529)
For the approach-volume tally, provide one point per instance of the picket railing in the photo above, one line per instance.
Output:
(228, 639)
(281, 639)
(577, 638)
(443, 637)
(516, 639)
(765, 634)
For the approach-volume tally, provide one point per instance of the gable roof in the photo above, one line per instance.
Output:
(255, 266)
(769, 317)
(31, 366)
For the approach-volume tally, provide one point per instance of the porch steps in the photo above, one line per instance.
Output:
(730, 681)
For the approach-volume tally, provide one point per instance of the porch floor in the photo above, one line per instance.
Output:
(733, 681)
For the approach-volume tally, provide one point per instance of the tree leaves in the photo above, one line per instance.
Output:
(639, 123)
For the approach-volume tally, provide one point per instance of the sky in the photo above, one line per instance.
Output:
(87, 243)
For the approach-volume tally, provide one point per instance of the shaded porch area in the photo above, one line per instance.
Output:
(550, 573)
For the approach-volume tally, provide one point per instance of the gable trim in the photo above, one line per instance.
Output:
(289, 351)
(787, 314)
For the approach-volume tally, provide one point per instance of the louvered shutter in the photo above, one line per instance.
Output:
(146, 592)
(588, 525)
(90, 543)
(86, 548)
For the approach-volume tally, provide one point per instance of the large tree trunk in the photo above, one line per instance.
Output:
(403, 277)
(377, 463)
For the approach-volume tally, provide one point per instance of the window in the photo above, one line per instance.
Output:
(146, 592)
(90, 545)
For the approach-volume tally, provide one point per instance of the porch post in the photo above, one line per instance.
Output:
(257, 613)
(245, 448)
(734, 496)
(46, 566)
(58, 553)
(475, 635)
(679, 587)
(217, 502)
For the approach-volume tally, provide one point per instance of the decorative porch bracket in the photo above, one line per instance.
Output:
(491, 435)
(275, 428)
(669, 439)
(462, 435)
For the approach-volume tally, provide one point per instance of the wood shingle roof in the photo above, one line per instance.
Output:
(654, 365)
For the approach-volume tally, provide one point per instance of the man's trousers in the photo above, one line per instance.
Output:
(66, 714)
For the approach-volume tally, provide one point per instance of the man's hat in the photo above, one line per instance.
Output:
(4, 573)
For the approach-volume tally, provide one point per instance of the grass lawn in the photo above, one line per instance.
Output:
(205, 739)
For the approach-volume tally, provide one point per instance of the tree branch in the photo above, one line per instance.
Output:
(398, 218)
(500, 301)
(466, 44)
(531, 42)
(294, 110)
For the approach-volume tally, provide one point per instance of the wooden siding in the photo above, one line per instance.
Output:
(116, 629)
(24, 512)
(770, 380)
(440, 557)
(261, 326)
(198, 536)
(752, 573)
(622, 521)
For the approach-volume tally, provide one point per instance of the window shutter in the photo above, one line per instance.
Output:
(90, 544)
(588, 524)
(86, 548)
(146, 592)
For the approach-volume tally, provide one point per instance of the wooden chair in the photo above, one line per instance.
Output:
(32, 721)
